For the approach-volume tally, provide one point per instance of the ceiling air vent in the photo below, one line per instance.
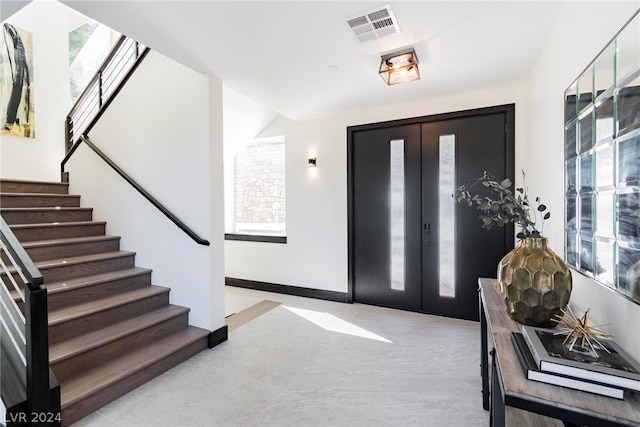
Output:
(373, 24)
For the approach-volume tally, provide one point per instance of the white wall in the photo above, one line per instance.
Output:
(39, 158)
(581, 31)
(165, 130)
(216, 202)
(315, 255)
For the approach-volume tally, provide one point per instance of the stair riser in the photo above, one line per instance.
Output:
(33, 187)
(90, 359)
(74, 271)
(102, 290)
(36, 201)
(104, 318)
(75, 411)
(55, 251)
(43, 217)
(62, 231)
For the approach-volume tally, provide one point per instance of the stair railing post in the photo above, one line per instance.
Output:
(100, 90)
(68, 133)
(39, 405)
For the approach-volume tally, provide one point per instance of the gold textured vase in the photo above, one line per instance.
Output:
(534, 282)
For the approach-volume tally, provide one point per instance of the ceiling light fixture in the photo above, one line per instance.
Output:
(399, 67)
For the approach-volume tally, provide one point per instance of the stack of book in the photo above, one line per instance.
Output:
(545, 358)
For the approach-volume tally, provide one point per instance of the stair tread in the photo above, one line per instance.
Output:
(9, 185)
(29, 181)
(54, 224)
(104, 375)
(46, 209)
(94, 279)
(59, 262)
(50, 263)
(67, 241)
(37, 194)
(65, 314)
(68, 348)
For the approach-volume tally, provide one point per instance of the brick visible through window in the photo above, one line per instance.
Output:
(259, 175)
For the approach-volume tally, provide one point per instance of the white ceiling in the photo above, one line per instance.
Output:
(300, 59)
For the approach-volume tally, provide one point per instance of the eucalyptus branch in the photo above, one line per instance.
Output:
(504, 206)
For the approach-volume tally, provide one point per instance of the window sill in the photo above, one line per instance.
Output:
(255, 238)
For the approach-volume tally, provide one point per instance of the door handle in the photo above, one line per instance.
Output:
(427, 233)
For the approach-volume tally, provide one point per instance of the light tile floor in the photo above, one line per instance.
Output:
(310, 362)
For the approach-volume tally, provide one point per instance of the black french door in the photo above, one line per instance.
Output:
(387, 257)
(412, 246)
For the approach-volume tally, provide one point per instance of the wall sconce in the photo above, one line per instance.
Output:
(312, 162)
(399, 67)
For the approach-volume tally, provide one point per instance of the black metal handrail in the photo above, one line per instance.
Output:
(118, 66)
(181, 225)
(40, 402)
(112, 75)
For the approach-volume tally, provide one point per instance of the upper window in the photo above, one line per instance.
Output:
(259, 188)
(89, 44)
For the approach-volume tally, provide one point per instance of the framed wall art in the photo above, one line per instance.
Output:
(16, 82)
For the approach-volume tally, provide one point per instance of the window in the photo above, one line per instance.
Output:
(396, 217)
(259, 189)
(89, 44)
(446, 215)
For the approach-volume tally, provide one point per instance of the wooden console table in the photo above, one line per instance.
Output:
(508, 387)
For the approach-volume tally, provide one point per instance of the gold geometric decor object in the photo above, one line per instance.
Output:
(578, 331)
(534, 282)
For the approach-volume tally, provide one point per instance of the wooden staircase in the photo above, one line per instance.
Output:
(110, 329)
